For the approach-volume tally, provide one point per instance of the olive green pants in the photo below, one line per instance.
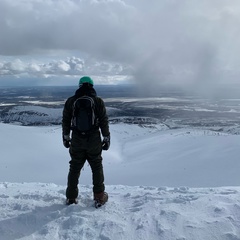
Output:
(82, 149)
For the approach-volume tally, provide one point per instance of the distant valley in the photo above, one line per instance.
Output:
(42, 106)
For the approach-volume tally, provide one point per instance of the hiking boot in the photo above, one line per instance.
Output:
(71, 201)
(101, 198)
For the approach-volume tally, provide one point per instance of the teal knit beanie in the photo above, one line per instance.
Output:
(85, 79)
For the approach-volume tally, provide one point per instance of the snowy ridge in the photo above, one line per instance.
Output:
(37, 211)
(32, 115)
(140, 161)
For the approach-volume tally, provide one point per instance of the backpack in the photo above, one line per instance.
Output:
(83, 119)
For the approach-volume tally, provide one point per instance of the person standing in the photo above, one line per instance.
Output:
(84, 115)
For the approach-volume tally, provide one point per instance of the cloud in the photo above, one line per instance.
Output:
(70, 67)
(186, 43)
(34, 26)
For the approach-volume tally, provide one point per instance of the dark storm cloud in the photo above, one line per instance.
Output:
(170, 41)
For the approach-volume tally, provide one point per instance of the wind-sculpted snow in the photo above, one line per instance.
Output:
(144, 171)
(168, 140)
(37, 211)
(152, 156)
(32, 115)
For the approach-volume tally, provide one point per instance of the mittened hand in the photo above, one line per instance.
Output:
(66, 141)
(106, 143)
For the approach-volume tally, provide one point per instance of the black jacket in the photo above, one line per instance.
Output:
(100, 110)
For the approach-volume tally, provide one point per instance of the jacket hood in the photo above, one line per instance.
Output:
(86, 90)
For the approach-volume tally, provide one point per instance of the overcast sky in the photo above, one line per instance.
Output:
(189, 43)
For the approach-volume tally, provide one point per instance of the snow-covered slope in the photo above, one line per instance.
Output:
(138, 156)
(32, 115)
(37, 211)
(165, 184)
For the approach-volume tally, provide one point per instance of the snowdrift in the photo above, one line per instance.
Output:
(37, 211)
(180, 184)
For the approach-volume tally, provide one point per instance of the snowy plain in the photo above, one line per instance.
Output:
(180, 184)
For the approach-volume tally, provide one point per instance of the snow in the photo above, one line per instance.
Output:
(34, 114)
(180, 184)
(37, 102)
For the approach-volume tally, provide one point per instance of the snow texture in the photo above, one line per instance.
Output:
(162, 184)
